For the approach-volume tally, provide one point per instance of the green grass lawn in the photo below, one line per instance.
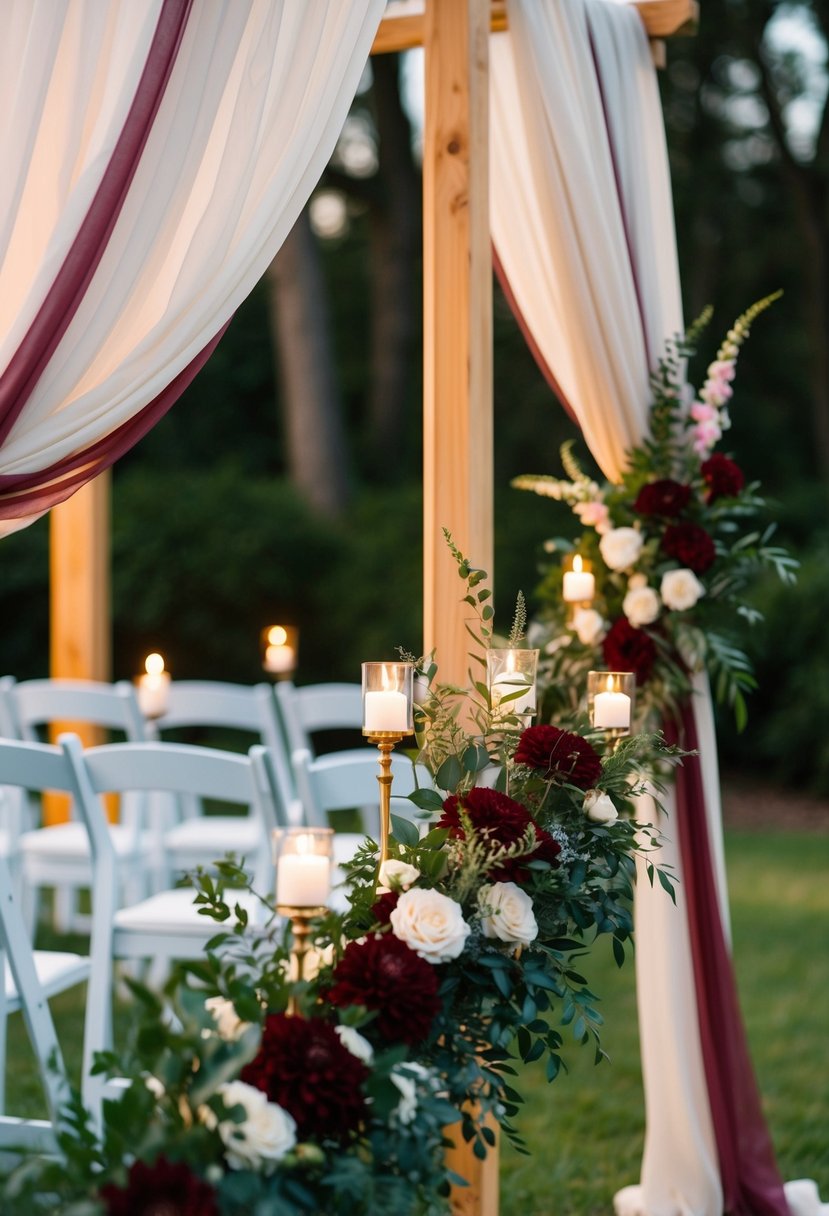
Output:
(585, 1130)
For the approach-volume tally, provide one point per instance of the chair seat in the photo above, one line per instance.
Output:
(56, 970)
(174, 913)
(211, 836)
(70, 840)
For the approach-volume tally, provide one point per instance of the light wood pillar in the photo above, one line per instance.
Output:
(457, 338)
(79, 606)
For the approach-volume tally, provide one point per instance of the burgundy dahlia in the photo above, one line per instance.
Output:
(664, 497)
(503, 821)
(629, 649)
(723, 477)
(690, 545)
(165, 1188)
(382, 973)
(383, 907)
(559, 754)
(303, 1067)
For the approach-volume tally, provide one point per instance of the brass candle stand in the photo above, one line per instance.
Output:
(300, 918)
(385, 741)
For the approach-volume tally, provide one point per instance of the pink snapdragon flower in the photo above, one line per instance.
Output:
(705, 435)
(593, 515)
(701, 411)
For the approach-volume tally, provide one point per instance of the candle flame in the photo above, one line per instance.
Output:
(154, 664)
(577, 564)
(305, 843)
(277, 635)
(610, 683)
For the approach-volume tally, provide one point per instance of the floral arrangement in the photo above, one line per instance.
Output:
(673, 548)
(463, 952)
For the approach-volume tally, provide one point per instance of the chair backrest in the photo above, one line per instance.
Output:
(240, 708)
(8, 722)
(38, 703)
(177, 768)
(346, 780)
(317, 707)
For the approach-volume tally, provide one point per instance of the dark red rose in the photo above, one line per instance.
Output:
(382, 973)
(690, 545)
(559, 753)
(664, 497)
(383, 906)
(629, 649)
(303, 1067)
(503, 821)
(164, 1187)
(722, 476)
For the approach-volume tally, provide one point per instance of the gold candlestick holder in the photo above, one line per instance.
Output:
(385, 741)
(300, 919)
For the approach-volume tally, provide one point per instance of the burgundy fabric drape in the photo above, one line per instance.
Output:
(751, 1183)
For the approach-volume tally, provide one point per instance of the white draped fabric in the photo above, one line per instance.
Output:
(583, 235)
(256, 96)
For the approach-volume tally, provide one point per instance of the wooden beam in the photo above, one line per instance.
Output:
(80, 622)
(661, 19)
(457, 301)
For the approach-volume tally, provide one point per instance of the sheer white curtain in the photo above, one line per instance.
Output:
(247, 115)
(583, 235)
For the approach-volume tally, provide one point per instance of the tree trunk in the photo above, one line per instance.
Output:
(395, 295)
(303, 350)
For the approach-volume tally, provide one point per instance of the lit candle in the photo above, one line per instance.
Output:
(280, 654)
(153, 687)
(303, 880)
(386, 710)
(611, 709)
(507, 684)
(579, 584)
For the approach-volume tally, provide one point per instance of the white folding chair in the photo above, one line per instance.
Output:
(311, 708)
(58, 855)
(31, 977)
(348, 781)
(167, 925)
(13, 804)
(215, 706)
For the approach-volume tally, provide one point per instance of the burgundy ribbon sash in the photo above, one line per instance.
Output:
(751, 1183)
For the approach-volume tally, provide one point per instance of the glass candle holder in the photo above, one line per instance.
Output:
(387, 699)
(279, 645)
(511, 674)
(153, 687)
(304, 859)
(610, 701)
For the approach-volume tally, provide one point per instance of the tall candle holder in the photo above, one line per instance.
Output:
(387, 718)
(303, 858)
(610, 702)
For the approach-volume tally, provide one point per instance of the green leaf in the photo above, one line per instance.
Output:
(449, 774)
(426, 800)
(404, 831)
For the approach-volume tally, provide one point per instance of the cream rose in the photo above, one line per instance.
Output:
(600, 807)
(588, 625)
(265, 1135)
(396, 876)
(680, 589)
(620, 548)
(507, 913)
(431, 924)
(641, 606)
(354, 1042)
(229, 1025)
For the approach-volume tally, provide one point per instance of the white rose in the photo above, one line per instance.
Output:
(431, 924)
(588, 624)
(265, 1135)
(396, 876)
(507, 913)
(229, 1025)
(680, 589)
(355, 1043)
(620, 548)
(641, 606)
(599, 807)
(405, 1078)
